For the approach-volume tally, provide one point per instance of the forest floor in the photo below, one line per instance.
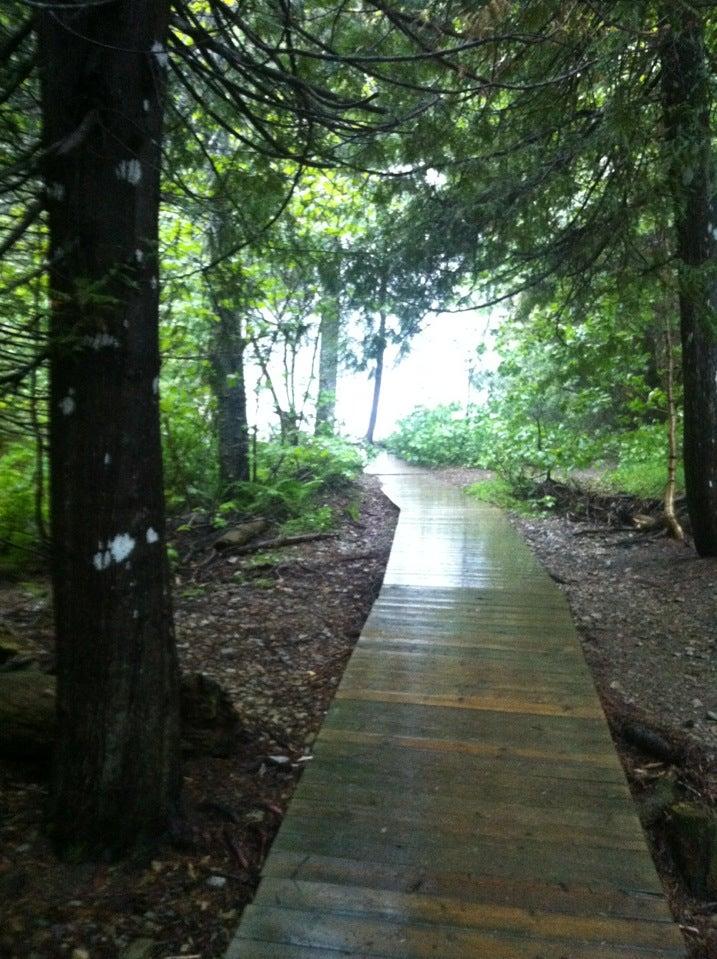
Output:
(645, 608)
(275, 629)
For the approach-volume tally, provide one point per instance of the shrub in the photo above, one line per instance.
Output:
(444, 436)
(19, 536)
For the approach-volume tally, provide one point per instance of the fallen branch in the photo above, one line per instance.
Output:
(604, 530)
(278, 543)
(317, 563)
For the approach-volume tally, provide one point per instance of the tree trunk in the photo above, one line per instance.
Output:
(377, 378)
(328, 366)
(227, 360)
(687, 101)
(116, 776)
(671, 521)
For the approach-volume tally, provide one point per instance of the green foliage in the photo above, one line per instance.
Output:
(641, 466)
(499, 492)
(19, 537)
(293, 482)
(329, 461)
(444, 436)
(191, 467)
(316, 520)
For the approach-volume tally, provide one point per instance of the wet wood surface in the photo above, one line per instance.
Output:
(465, 800)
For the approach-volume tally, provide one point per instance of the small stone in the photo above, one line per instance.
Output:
(217, 882)
(697, 703)
(139, 949)
(712, 716)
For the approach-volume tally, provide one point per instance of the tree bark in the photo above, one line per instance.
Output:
(116, 778)
(227, 361)
(328, 365)
(377, 377)
(671, 521)
(687, 102)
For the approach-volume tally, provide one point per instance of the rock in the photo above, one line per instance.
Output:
(691, 831)
(240, 535)
(210, 724)
(139, 949)
(12, 654)
(654, 804)
(27, 714)
(9, 647)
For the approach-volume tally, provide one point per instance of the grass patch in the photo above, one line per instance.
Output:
(499, 492)
(645, 480)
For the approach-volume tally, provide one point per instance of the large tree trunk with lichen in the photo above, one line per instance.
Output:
(116, 773)
(686, 88)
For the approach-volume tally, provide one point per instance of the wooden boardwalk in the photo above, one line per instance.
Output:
(465, 801)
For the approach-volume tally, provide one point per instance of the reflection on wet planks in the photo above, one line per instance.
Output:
(465, 800)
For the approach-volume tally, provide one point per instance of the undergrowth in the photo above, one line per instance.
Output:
(293, 490)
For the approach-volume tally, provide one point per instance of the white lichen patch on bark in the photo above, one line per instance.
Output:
(130, 171)
(56, 191)
(160, 54)
(153, 282)
(115, 550)
(152, 535)
(139, 256)
(108, 459)
(155, 386)
(101, 341)
(102, 559)
(145, 106)
(67, 404)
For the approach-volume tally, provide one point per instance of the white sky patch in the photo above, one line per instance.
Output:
(435, 178)
(152, 535)
(130, 171)
(160, 54)
(436, 371)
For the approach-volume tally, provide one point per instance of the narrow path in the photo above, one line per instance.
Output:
(465, 800)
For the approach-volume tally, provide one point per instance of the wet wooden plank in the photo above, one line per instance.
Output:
(347, 901)
(369, 936)
(534, 894)
(465, 800)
